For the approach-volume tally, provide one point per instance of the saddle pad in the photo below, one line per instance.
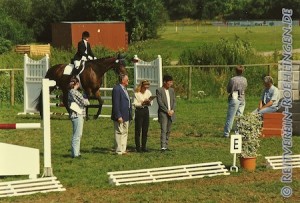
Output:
(68, 69)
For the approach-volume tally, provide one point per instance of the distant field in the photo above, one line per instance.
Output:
(172, 43)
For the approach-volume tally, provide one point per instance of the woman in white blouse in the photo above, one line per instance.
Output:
(141, 102)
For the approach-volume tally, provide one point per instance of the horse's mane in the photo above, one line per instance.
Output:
(104, 58)
(100, 59)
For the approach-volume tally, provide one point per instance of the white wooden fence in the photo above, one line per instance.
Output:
(172, 173)
(34, 72)
(276, 162)
(151, 71)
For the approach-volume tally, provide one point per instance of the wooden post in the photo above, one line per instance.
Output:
(189, 83)
(12, 88)
(269, 71)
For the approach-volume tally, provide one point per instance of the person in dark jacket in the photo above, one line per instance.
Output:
(84, 53)
(166, 110)
(121, 114)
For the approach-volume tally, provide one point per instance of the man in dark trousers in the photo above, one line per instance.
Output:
(121, 114)
(166, 108)
(84, 53)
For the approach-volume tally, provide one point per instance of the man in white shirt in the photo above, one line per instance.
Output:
(269, 101)
(166, 108)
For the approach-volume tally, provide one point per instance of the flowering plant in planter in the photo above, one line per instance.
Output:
(249, 126)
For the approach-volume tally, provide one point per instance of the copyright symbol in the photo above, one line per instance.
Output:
(286, 191)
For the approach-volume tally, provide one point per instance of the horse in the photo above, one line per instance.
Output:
(90, 78)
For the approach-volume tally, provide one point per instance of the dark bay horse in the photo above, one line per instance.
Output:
(90, 78)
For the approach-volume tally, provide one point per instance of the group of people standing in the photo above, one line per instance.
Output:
(122, 113)
(236, 88)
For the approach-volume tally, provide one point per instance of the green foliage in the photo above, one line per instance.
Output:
(178, 9)
(5, 86)
(213, 80)
(19, 10)
(223, 52)
(146, 51)
(5, 45)
(143, 18)
(11, 60)
(233, 9)
(13, 30)
(249, 126)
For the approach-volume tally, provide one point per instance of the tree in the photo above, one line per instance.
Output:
(213, 9)
(13, 31)
(19, 10)
(44, 13)
(178, 9)
(143, 18)
(275, 11)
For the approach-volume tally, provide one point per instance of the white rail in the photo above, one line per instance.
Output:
(167, 173)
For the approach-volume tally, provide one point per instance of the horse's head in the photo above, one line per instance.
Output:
(120, 65)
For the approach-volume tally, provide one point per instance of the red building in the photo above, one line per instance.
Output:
(110, 34)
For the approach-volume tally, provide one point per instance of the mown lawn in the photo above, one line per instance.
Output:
(172, 43)
(196, 138)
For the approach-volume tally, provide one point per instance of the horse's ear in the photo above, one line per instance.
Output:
(121, 56)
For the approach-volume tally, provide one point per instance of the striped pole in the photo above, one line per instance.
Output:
(20, 125)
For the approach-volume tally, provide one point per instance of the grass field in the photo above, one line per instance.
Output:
(172, 43)
(195, 138)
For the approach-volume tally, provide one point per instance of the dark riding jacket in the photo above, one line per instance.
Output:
(81, 51)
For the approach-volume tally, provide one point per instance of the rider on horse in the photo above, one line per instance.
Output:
(84, 53)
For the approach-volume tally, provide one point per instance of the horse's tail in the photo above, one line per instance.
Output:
(39, 103)
(39, 100)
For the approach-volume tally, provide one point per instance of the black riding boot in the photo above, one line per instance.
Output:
(75, 70)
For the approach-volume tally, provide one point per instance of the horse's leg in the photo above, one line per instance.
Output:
(100, 101)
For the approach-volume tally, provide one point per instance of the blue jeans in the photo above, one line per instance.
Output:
(235, 108)
(270, 109)
(77, 124)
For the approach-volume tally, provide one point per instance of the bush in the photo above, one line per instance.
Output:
(224, 52)
(5, 45)
(14, 31)
(213, 80)
(249, 127)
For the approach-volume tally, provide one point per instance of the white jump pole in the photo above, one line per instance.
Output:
(20, 125)
(46, 125)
